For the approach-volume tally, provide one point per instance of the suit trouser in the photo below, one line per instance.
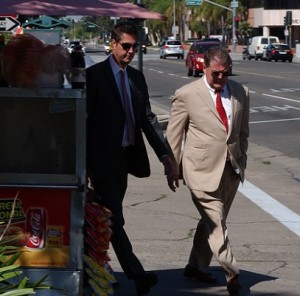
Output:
(211, 237)
(111, 188)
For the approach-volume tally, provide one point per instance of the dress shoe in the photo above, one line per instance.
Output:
(201, 276)
(144, 284)
(233, 286)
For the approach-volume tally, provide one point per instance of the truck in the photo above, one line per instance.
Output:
(256, 47)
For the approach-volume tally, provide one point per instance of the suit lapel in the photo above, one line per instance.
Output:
(207, 99)
(234, 103)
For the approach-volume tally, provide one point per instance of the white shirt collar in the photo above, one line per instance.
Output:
(224, 91)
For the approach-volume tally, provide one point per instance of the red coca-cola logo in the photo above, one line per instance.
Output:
(35, 226)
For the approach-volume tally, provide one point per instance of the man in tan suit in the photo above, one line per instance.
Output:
(208, 132)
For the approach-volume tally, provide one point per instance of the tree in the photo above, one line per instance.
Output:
(245, 31)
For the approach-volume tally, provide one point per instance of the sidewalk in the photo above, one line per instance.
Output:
(161, 225)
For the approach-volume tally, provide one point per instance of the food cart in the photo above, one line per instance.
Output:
(42, 164)
(42, 170)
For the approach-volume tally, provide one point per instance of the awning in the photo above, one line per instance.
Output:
(112, 8)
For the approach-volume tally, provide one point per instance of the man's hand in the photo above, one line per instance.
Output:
(170, 173)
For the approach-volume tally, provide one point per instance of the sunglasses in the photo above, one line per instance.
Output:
(217, 73)
(126, 46)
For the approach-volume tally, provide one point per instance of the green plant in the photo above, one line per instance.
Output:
(11, 282)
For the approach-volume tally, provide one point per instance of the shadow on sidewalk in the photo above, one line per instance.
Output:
(172, 283)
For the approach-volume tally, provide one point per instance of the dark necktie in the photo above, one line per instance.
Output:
(221, 109)
(127, 109)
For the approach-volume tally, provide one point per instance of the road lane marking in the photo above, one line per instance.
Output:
(275, 120)
(284, 215)
(282, 98)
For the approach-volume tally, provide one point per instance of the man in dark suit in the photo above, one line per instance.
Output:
(211, 116)
(118, 110)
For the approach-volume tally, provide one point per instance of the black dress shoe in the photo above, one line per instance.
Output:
(201, 276)
(233, 286)
(144, 284)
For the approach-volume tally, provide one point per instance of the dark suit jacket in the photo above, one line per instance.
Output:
(106, 120)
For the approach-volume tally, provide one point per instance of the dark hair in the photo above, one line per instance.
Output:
(219, 52)
(126, 27)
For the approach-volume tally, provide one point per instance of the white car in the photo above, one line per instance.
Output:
(171, 48)
(73, 44)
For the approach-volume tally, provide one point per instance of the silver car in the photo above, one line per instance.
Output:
(171, 48)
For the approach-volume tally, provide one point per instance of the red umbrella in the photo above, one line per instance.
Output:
(113, 8)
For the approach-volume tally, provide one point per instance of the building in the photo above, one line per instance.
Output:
(266, 17)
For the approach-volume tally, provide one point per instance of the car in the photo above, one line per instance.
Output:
(211, 39)
(73, 44)
(278, 52)
(195, 57)
(190, 41)
(171, 48)
(257, 45)
(144, 48)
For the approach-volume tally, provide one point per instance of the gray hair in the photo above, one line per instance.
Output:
(217, 52)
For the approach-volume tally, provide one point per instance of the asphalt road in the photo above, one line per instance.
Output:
(264, 223)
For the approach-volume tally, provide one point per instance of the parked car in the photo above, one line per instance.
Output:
(171, 48)
(195, 57)
(278, 52)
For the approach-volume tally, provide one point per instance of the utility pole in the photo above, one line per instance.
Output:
(234, 5)
(140, 23)
(174, 19)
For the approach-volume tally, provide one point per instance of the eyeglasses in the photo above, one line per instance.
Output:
(126, 45)
(217, 73)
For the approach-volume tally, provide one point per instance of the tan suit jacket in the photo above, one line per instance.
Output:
(205, 146)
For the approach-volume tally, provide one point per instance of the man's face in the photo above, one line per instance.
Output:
(124, 49)
(217, 74)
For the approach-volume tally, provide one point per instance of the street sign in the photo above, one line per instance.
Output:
(9, 15)
(234, 4)
(175, 30)
(8, 23)
(193, 2)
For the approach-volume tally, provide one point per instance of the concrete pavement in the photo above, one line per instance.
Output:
(161, 225)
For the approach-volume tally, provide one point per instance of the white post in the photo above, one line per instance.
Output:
(234, 41)
(174, 20)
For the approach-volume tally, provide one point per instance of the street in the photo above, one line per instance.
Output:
(264, 223)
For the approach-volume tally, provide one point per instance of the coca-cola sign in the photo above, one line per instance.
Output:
(36, 227)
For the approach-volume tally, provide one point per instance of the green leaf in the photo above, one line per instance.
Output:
(19, 292)
(12, 259)
(23, 283)
(7, 268)
(9, 275)
(37, 284)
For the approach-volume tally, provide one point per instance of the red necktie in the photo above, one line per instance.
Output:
(221, 110)
(128, 113)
